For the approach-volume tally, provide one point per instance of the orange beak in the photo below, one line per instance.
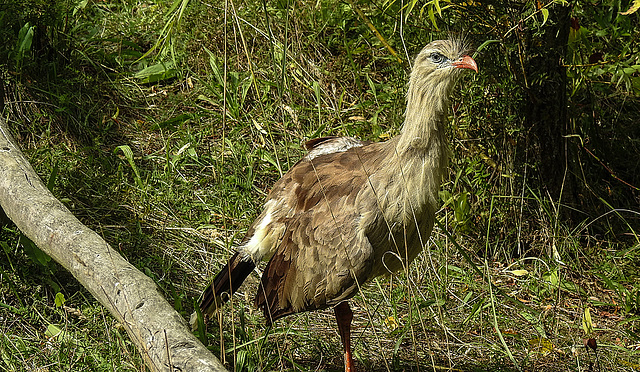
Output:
(466, 62)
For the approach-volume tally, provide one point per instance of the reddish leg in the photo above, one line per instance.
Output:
(344, 315)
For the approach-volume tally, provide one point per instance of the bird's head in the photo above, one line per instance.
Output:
(440, 63)
(435, 71)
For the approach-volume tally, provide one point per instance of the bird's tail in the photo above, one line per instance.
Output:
(224, 284)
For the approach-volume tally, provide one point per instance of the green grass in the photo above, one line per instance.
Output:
(293, 72)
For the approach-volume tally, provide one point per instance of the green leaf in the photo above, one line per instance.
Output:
(436, 3)
(173, 8)
(81, 6)
(59, 301)
(5, 247)
(315, 86)
(128, 154)
(202, 97)
(456, 269)
(432, 17)
(535, 322)
(461, 208)
(51, 182)
(587, 325)
(445, 197)
(475, 310)
(25, 38)
(484, 45)
(158, 72)
(197, 322)
(33, 252)
(246, 85)
(267, 157)
(241, 359)
(409, 7)
(213, 62)
(61, 335)
(552, 277)
(372, 86)
(54, 331)
(545, 15)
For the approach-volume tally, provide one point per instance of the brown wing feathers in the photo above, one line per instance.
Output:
(308, 259)
(270, 296)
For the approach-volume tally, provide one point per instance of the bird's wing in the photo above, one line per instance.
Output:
(294, 192)
(321, 257)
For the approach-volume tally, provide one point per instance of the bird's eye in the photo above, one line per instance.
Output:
(437, 57)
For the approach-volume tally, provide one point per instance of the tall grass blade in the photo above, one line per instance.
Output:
(128, 154)
(496, 326)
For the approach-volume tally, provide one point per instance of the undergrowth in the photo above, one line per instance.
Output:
(168, 156)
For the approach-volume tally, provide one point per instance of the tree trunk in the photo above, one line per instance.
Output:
(546, 109)
(159, 332)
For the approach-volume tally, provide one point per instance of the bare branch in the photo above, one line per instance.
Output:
(159, 332)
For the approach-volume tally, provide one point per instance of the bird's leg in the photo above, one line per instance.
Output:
(344, 315)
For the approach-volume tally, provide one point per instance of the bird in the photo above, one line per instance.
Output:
(350, 210)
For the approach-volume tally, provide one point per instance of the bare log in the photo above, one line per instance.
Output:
(159, 332)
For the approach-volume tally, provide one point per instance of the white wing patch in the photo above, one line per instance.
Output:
(339, 144)
(262, 243)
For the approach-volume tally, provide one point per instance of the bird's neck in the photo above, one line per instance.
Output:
(424, 119)
(416, 160)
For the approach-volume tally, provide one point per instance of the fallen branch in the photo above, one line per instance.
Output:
(159, 332)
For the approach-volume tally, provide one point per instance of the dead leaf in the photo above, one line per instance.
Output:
(519, 272)
(634, 7)
(540, 345)
(591, 343)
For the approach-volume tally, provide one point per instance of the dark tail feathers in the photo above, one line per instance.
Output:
(226, 282)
